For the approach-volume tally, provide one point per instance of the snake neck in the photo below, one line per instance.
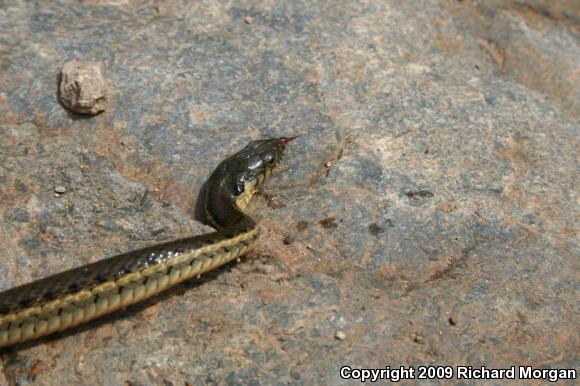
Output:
(223, 208)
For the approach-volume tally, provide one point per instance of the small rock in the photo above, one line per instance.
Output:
(60, 189)
(418, 338)
(248, 20)
(266, 269)
(340, 335)
(83, 88)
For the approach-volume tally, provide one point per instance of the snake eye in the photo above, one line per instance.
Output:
(271, 159)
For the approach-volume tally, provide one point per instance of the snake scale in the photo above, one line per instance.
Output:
(73, 297)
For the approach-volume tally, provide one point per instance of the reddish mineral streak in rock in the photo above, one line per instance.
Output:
(83, 88)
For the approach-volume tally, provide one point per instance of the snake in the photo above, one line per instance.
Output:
(70, 298)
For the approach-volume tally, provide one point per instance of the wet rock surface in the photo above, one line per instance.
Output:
(427, 216)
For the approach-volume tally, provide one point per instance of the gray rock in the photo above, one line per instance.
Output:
(429, 211)
(83, 88)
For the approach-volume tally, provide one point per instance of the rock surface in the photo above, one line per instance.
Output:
(429, 213)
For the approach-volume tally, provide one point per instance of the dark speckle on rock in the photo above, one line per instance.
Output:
(19, 215)
(288, 240)
(328, 223)
(375, 230)
(30, 243)
(301, 226)
(419, 193)
(20, 187)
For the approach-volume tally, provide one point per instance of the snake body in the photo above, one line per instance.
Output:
(73, 297)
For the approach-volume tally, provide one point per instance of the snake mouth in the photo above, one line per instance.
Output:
(287, 140)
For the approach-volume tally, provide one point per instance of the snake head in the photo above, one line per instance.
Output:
(237, 178)
(255, 162)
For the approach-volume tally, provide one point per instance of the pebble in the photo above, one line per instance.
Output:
(60, 189)
(83, 88)
(340, 335)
